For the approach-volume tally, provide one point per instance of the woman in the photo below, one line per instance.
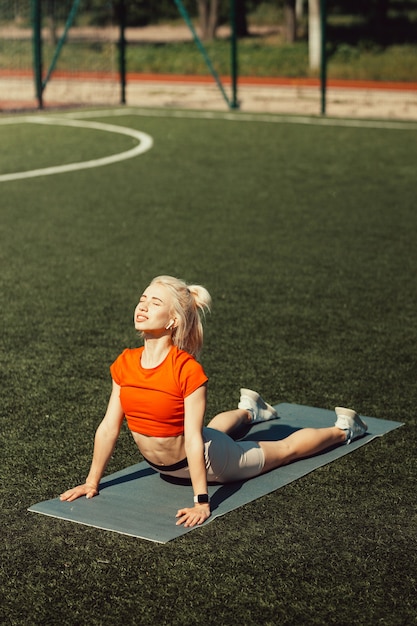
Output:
(161, 390)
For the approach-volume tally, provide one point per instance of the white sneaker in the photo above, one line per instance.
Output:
(349, 420)
(261, 411)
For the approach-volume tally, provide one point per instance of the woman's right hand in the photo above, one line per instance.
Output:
(87, 490)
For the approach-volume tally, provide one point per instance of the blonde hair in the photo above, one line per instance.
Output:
(190, 303)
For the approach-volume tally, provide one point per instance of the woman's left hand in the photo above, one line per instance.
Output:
(193, 516)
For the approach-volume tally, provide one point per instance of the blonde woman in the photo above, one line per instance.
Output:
(161, 388)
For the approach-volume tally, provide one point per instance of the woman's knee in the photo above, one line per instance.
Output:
(217, 421)
(277, 453)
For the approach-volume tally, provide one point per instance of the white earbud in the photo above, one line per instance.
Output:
(170, 325)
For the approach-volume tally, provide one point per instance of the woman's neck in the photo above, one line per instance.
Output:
(155, 351)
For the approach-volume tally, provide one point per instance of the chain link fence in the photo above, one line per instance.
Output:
(79, 61)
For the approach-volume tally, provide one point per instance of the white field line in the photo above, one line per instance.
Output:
(145, 142)
(248, 117)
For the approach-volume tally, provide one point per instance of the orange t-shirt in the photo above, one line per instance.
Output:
(153, 399)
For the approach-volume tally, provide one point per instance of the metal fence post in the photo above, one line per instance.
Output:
(323, 64)
(122, 51)
(234, 63)
(37, 49)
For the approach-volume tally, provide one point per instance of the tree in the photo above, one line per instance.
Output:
(208, 11)
(290, 21)
(299, 9)
(314, 34)
(52, 22)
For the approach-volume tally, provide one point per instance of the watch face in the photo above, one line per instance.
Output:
(203, 498)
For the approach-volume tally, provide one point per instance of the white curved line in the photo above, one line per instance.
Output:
(270, 118)
(145, 143)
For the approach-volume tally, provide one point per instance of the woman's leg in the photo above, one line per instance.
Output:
(239, 460)
(251, 409)
(228, 421)
(301, 444)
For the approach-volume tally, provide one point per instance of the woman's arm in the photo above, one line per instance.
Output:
(105, 439)
(194, 410)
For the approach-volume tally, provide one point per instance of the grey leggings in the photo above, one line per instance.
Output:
(226, 460)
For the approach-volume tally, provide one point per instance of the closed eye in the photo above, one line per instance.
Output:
(153, 300)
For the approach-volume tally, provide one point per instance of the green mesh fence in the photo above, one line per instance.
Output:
(69, 51)
(75, 54)
(79, 63)
(15, 36)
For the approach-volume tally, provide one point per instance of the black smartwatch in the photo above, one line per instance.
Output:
(202, 498)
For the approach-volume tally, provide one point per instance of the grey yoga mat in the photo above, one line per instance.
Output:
(136, 501)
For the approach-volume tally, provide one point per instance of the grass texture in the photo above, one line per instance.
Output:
(273, 58)
(305, 235)
(267, 57)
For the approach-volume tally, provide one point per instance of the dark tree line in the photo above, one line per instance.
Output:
(211, 13)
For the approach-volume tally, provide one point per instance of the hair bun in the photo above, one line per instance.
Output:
(201, 297)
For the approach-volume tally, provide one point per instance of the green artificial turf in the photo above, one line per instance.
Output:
(305, 236)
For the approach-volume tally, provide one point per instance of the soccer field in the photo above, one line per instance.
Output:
(304, 232)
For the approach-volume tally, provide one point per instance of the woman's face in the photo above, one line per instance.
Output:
(153, 311)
